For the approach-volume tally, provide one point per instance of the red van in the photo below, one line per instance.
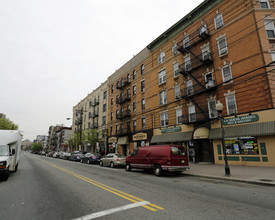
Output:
(171, 158)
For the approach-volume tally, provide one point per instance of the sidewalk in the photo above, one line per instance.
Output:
(248, 174)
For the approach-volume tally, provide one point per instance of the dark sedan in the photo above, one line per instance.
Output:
(91, 158)
(76, 156)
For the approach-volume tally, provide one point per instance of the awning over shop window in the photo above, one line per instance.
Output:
(258, 129)
(123, 140)
(201, 133)
(170, 138)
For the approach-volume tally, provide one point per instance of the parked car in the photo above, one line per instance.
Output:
(113, 160)
(171, 158)
(91, 158)
(76, 156)
(50, 154)
(64, 155)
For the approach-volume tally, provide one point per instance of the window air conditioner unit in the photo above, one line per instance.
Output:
(223, 51)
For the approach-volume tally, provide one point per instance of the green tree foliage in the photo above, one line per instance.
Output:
(7, 124)
(91, 136)
(36, 147)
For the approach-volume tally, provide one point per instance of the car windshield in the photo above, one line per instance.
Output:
(177, 150)
(120, 155)
(4, 150)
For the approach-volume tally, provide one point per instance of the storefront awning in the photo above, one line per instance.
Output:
(170, 138)
(123, 140)
(258, 129)
(201, 133)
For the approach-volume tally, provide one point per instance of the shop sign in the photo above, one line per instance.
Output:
(140, 136)
(170, 130)
(242, 119)
(112, 140)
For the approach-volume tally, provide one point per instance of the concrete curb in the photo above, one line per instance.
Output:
(232, 179)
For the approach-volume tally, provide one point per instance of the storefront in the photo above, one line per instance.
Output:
(249, 139)
(141, 139)
(112, 145)
(181, 135)
(123, 146)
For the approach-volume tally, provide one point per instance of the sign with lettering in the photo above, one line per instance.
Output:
(140, 136)
(170, 130)
(112, 140)
(241, 120)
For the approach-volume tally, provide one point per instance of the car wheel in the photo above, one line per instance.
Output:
(158, 170)
(112, 165)
(100, 163)
(128, 167)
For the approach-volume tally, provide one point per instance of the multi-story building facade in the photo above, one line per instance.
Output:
(90, 119)
(219, 52)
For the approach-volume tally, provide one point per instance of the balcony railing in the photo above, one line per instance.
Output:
(123, 84)
(123, 114)
(123, 98)
(195, 63)
(197, 89)
(194, 38)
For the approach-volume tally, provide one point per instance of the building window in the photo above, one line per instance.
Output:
(134, 126)
(143, 104)
(203, 30)
(164, 119)
(134, 90)
(104, 120)
(112, 89)
(212, 109)
(205, 53)
(128, 78)
(174, 49)
(231, 104)
(161, 58)
(187, 63)
(142, 69)
(226, 73)
(177, 92)
(117, 129)
(192, 113)
(134, 75)
(128, 93)
(105, 95)
(222, 46)
(111, 130)
(209, 82)
(143, 122)
(162, 76)
(189, 87)
(218, 21)
(264, 4)
(186, 42)
(176, 69)
(242, 145)
(142, 86)
(104, 108)
(179, 116)
(163, 97)
(112, 116)
(134, 108)
(269, 27)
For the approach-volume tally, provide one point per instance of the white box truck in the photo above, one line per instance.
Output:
(10, 149)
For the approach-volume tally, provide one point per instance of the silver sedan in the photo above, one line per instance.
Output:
(113, 160)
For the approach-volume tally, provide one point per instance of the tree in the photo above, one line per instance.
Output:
(7, 124)
(91, 136)
(36, 147)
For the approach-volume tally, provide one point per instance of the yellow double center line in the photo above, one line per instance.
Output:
(124, 195)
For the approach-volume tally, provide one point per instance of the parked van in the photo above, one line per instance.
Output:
(10, 148)
(171, 158)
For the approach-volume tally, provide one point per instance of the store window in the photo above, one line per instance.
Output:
(242, 145)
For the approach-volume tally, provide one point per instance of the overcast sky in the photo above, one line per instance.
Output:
(55, 52)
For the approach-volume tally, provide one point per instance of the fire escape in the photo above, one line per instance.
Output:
(197, 58)
(124, 113)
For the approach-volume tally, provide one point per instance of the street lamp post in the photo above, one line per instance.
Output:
(219, 108)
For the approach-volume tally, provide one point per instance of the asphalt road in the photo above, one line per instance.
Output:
(49, 188)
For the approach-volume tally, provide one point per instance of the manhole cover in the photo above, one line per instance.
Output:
(266, 180)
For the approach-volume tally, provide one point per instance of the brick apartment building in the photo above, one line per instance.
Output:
(219, 52)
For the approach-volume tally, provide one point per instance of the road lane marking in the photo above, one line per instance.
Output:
(134, 199)
(111, 211)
